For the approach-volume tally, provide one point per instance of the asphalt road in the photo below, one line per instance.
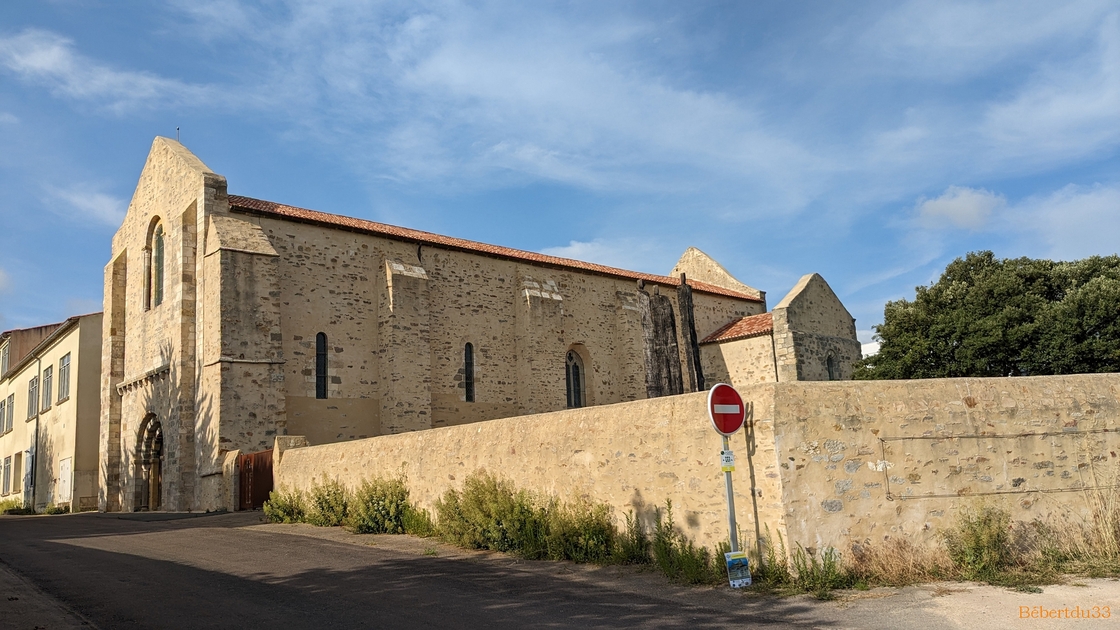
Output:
(218, 572)
(230, 571)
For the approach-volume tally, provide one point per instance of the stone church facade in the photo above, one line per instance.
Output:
(230, 321)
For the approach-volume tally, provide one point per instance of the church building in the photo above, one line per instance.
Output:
(230, 321)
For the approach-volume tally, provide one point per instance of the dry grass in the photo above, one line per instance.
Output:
(899, 562)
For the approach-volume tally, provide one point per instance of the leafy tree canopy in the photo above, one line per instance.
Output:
(1009, 317)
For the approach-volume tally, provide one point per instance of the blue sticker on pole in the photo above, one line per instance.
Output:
(738, 569)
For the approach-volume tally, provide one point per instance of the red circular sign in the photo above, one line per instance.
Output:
(726, 409)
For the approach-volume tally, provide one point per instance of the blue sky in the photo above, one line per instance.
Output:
(870, 142)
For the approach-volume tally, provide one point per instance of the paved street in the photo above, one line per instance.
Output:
(231, 571)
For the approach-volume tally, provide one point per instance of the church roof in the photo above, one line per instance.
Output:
(303, 215)
(752, 326)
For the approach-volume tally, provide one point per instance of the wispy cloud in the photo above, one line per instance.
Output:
(1071, 223)
(49, 59)
(5, 281)
(87, 203)
(625, 253)
(8, 119)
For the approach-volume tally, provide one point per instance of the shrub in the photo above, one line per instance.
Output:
(490, 514)
(57, 509)
(327, 504)
(980, 546)
(284, 507)
(418, 522)
(819, 574)
(378, 507)
(632, 547)
(13, 506)
(678, 557)
(579, 531)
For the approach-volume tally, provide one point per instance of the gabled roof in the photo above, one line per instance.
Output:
(752, 326)
(302, 215)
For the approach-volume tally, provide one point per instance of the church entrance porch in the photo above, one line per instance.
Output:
(149, 462)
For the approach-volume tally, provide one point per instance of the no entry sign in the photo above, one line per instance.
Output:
(726, 409)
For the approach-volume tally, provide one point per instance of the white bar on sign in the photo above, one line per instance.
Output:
(726, 408)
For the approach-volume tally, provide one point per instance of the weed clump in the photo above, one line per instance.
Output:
(378, 507)
(327, 504)
(678, 557)
(285, 506)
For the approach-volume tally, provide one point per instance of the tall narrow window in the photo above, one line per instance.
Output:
(157, 266)
(4, 356)
(574, 373)
(11, 410)
(48, 382)
(830, 365)
(468, 371)
(321, 365)
(33, 397)
(64, 378)
(17, 472)
(7, 474)
(4, 416)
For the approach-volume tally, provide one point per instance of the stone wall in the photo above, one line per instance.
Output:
(861, 461)
(832, 463)
(741, 362)
(632, 456)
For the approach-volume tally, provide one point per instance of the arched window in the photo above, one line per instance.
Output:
(830, 365)
(575, 377)
(321, 365)
(468, 371)
(157, 266)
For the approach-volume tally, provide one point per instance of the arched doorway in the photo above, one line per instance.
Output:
(149, 459)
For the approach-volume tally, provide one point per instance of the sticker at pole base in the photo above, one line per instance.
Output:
(727, 461)
(738, 569)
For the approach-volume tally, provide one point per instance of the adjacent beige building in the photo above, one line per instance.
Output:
(49, 413)
(230, 321)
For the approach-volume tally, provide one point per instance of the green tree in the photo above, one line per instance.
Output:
(1004, 317)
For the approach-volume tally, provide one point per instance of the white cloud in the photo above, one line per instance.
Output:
(1071, 223)
(47, 58)
(89, 204)
(962, 207)
(5, 281)
(634, 254)
(8, 119)
(869, 349)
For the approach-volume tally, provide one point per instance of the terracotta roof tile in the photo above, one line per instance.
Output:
(753, 326)
(291, 213)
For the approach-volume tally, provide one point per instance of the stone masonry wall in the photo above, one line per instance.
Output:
(632, 456)
(811, 325)
(832, 463)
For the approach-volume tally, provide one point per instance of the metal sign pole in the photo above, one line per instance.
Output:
(730, 501)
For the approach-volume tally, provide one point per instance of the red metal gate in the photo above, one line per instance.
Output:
(256, 479)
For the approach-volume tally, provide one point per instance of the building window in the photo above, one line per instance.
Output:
(17, 472)
(830, 365)
(64, 378)
(7, 474)
(321, 365)
(11, 411)
(468, 371)
(48, 384)
(157, 266)
(4, 428)
(4, 356)
(575, 377)
(33, 397)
